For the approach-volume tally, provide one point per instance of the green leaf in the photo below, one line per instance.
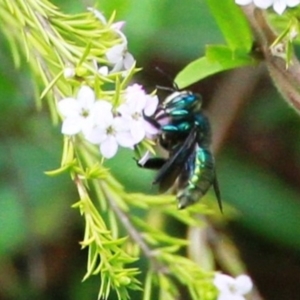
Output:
(233, 23)
(61, 170)
(218, 58)
(195, 71)
(228, 57)
(51, 84)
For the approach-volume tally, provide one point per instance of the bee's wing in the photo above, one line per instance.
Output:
(175, 164)
(217, 192)
(186, 170)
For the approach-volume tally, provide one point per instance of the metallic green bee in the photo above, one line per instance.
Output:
(185, 133)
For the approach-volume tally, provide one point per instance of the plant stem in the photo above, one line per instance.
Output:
(286, 79)
(134, 234)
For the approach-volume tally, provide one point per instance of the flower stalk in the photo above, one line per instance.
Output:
(286, 79)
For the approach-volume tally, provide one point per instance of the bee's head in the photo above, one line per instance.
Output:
(182, 100)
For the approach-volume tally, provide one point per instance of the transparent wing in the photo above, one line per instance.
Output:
(176, 163)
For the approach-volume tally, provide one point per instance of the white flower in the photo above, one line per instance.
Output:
(77, 112)
(278, 5)
(259, 3)
(69, 72)
(120, 58)
(232, 288)
(109, 131)
(98, 14)
(118, 55)
(138, 104)
(103, 70)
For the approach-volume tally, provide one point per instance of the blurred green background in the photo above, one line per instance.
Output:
(258, 161)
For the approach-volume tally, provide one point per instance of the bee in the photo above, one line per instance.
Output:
(184, 132)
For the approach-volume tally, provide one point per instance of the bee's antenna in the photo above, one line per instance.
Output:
(170, 79)
(166, 88)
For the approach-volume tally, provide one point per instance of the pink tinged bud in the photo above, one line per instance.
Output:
(118, 25)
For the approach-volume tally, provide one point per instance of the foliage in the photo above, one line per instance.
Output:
(117, 231)
(45, 28)
(218, 58)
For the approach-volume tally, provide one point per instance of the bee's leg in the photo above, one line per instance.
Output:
(152, 121)
(154, 163)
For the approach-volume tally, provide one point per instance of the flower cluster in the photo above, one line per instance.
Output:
(232, 288)
(278, 5)
(109, 127)
(117, 56)
(98, 120)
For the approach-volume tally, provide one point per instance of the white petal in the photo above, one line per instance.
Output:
(134, 93)
(87, 124)
(137, 131)
(292, 3)
(223, 282)
(263, 3)
(118, 25)
(96, 135)
(128, 61)
(118, 66)
(243, 2)
(124, 110)
(103, 106)
(243, 284)
(141, 103)
(98, 14)
(102, 113)
(125, 139)
(121, 124)
(134, 89)
(69, 72)
(136, 105)
(71, 125)
(68, 107)
(109, 147)
(115, 53)
(103, 70)
(151, 105)
(279, 6)
(136, 98)
(230, 296)
(86, 97)
(149, 128)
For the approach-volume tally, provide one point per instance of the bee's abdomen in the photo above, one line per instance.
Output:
(201, 177)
